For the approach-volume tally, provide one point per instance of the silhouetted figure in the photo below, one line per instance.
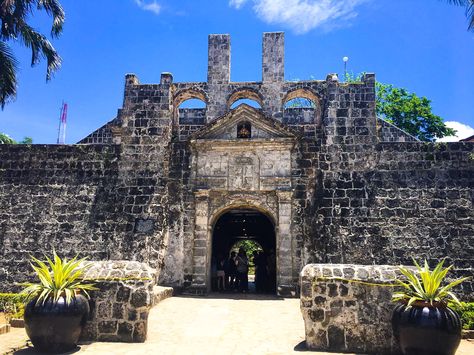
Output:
(220, 272)
(242, 265)
(231, 271)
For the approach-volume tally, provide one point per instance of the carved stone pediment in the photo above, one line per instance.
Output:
(245, 122)
(223, 161)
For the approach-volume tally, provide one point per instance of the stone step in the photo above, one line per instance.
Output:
(160, 293)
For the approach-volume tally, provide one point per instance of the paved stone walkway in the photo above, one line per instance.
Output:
(219, 325)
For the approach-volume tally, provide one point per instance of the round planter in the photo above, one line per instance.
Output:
(55, 327)
(424, 329)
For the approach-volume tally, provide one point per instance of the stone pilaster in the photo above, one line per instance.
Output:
(284, 252)
(201, 247)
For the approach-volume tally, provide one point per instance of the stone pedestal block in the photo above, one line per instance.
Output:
(119, 309)
(342, 314)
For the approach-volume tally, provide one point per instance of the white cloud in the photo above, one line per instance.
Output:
(462, 131)
(237, 3)
(303, 15)
(152, 6)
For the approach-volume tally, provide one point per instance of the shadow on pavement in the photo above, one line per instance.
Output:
(302, 347)
(30, 350)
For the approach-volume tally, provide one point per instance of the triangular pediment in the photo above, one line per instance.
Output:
(227, 126)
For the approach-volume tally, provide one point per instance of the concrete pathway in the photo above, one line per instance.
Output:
(219, 325)
(211, 325)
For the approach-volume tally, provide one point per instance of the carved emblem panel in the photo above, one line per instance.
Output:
(259, 169)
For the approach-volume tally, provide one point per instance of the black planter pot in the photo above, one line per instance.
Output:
(55, 327)
(424, 330)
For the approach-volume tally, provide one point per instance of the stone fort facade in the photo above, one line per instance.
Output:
(337, 184)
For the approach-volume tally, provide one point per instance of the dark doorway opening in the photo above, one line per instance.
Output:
(254, 232)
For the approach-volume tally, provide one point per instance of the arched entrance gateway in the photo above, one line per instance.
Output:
(253, 231)
(241, 174)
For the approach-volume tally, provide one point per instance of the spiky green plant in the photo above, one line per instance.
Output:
(58, 278)
(425, 285)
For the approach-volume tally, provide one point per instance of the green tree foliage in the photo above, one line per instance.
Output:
(14, 15)
(249, 246)
(469, 5)
(26, 140)
(411, 113)
(6, 139)
(407, 111)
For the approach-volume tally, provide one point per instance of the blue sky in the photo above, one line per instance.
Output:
(421, 45)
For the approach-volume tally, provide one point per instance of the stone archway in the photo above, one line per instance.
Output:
(246, 224)
(210, 205)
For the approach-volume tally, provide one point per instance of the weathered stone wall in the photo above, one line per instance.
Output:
(388, 202)
(344, 316)
(353, 189)
(119, 309)
(92, 200)
(387, 132)
(102, 135)
(56, 197)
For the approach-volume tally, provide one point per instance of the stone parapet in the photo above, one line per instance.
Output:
(119, 309)
(343, 313)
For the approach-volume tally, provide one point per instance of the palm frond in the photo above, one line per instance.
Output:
(40, 48)
(469, 5)
(14, 15)
(54, 9)
(8, 68)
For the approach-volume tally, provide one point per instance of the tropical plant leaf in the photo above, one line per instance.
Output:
(58, 278)
(425, 285)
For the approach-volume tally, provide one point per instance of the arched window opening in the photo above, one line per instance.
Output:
(192, 104)
(244, 130)
(247, 96)
(301, 106)
(192, 112)
(249, 102)
(300, 102)
(190, 107)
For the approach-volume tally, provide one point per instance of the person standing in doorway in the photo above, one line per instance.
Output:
(220, 273)
(242, 264)
(231, 271)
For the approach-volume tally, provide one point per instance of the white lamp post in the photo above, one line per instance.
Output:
(345, 60)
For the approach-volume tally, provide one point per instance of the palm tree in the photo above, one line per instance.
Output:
(13, 16)
(469, 4)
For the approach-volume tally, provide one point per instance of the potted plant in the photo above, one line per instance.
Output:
(422, 322)
(55, 308)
